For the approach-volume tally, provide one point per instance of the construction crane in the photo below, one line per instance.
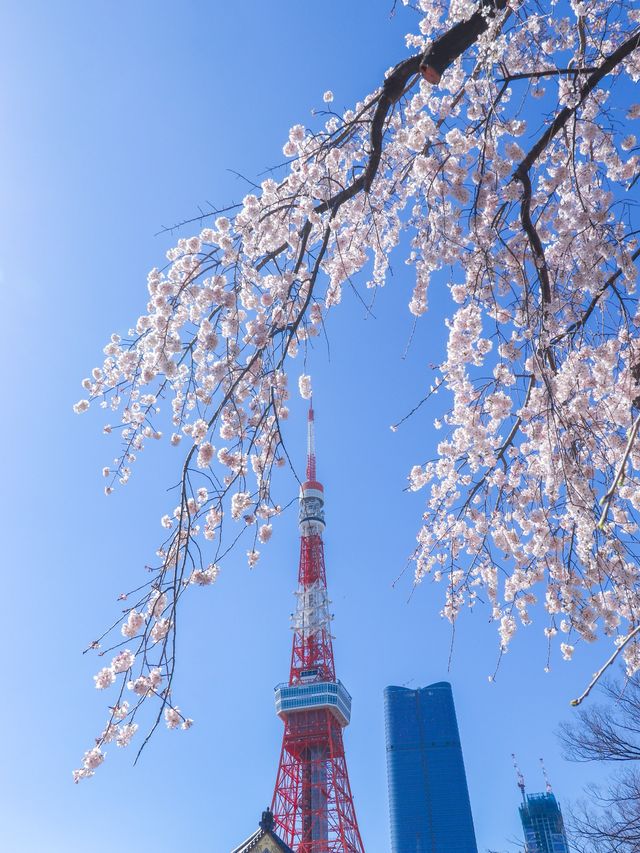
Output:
(519, 776)
(547, 783)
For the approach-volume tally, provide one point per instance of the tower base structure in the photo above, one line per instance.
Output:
(313, 806)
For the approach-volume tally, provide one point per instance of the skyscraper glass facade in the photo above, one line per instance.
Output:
(543, 825)
(429, 803)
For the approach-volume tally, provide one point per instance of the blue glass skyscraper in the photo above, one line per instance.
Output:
(429, 803)
(542, 824)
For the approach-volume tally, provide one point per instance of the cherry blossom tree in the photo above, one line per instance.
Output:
(498, 155)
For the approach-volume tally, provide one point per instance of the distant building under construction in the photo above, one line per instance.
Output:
(541, 818)
(542, 824)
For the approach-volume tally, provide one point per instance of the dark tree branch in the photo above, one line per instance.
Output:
(446, 49)
(625, 49)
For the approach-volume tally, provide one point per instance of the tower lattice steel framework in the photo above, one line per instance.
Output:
(312, 802)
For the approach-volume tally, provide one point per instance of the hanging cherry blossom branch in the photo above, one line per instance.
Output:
(530, 244)
(610, 63)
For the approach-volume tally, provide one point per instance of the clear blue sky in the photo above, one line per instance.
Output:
(119, 118)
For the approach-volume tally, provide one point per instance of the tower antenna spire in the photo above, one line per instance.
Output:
(311, 443)
(519, 776)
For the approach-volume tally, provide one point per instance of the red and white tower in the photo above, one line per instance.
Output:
(312, 803)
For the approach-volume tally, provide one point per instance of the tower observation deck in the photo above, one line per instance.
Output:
(312, 802)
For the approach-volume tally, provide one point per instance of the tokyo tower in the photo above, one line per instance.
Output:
(312, 802)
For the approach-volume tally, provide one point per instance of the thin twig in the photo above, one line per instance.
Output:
(607, 499)
(598, 675)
